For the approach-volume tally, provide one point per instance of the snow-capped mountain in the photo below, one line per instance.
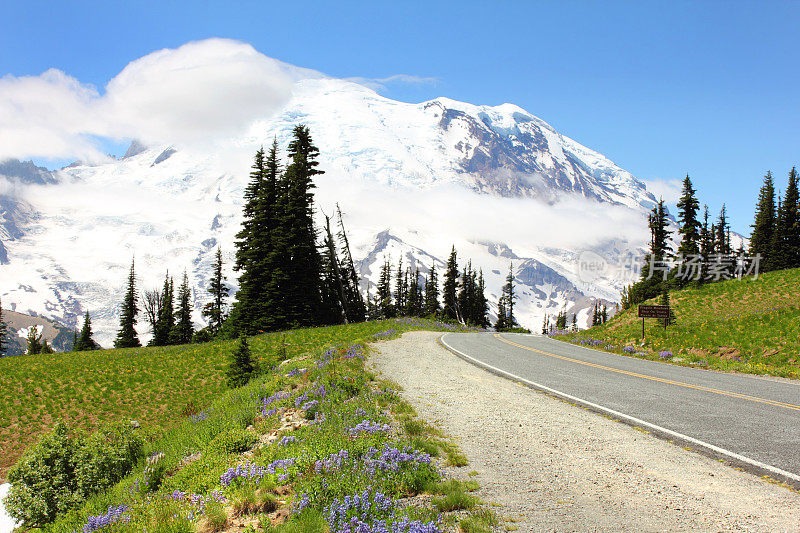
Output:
(412, 180)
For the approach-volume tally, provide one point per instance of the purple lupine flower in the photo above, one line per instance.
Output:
(114, 514)
(368, 426)
(248, 471)
(664, 354)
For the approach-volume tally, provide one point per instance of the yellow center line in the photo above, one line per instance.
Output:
(653, 378)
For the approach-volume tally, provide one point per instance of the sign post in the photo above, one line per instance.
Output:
(654, 311)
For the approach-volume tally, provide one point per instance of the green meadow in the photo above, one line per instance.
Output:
(748, 325)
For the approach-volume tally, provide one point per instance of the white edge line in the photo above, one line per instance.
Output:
(632, 419)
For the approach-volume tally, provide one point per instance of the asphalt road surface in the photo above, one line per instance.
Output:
(751, 421)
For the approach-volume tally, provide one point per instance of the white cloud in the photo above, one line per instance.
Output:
(668, 189)
(381, 84)
(201, 91)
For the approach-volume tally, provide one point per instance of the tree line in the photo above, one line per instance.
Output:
(704, 252)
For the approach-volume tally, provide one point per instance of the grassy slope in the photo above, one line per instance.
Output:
(154, 386)
(748, 326)
(353, 396)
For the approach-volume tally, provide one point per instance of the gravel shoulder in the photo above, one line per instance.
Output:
(552, 466)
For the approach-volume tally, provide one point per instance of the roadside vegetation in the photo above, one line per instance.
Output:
(155, 386)
(749, 325)
(311, 443)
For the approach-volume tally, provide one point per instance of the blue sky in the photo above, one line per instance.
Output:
(662, 88)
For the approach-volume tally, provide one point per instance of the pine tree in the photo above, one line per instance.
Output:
(46, 348)
(450, 287)
(243, 365)
(126, 336)
(85, 340)
(334, 295)
(214, 311)
(706, 244)
(574, 322)
(432, 292)
(764, 224)
(302, 293)
(604, 315)
(34, 341)
(688, 205)
(400, 289)
(482, 303)
(415, 303)
(166, 315)
(3, 332)
(545, 324)
(74, 340)
(384, 296)
(502, 319)
(355, 303)
(184, 329)
(786, 245)
(508, 294)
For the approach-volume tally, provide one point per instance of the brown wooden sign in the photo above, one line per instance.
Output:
(654, 311)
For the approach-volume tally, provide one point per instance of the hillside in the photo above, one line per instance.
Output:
(19, 324)
(313, 443)
(155, 386)
(746, 325)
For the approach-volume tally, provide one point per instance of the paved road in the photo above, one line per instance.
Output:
(753, 421)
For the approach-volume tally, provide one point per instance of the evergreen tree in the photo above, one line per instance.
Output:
(184, 329)
(243, 365)
(604, 315)
(764, 224)
(334, 297)
(34, 341)
(508, 294)
(302, 293)
(574, 322)
(46, 348)
(415, 303)
(690, 229)
(126, 336)
(85, 340)
(3, 332)
(355, 303)
(481, 317)
(545, 324)
(432, 292)
(502, 319)
(706, 244)
(74, 340)
(400, 289)
(214, 311)
(166, 315)
(786, 240)
(660, 251)
(450, 287)
(561, 320)
(384, 296)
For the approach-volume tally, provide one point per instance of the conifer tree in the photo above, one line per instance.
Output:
(243, 366)
(74, 340)
(415, 303)
(786, 242)
(334, 296)
(482, 303)
(400, 289)
(545, 324)
(706, 244)
(764, 224)
(604, 315)
(302, 293)
(214, 310)
(450, 288)
(34, 341)
(508, 294)
(689, 229)
(356, 307)
(3, 332)
(126, 336)
(166, 315)
(432, 292)
(46, 348)
(574, 322)
(184, 329)
(501, 324)
(85, 340)
(384, 296)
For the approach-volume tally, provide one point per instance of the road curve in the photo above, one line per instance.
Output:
(752, 421)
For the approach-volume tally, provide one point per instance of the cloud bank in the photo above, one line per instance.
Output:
(203, 90)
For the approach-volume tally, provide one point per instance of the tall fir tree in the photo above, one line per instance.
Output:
(415, 301)
(450, 287)
(432, 292)
(126, 336)
(184, 329)
(505, 314)
(384, 296)
(3, 332)
(786, 241)
(764, 224)
(400, 288)
(302, 293)
(689, 226)
(166, 315)
(85, 340)
(482, 303)
(214, 310)
(356, 307)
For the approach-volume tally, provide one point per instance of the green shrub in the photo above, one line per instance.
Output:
(106, 457)
(233, 440)
(64, 469)
(43, 481)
